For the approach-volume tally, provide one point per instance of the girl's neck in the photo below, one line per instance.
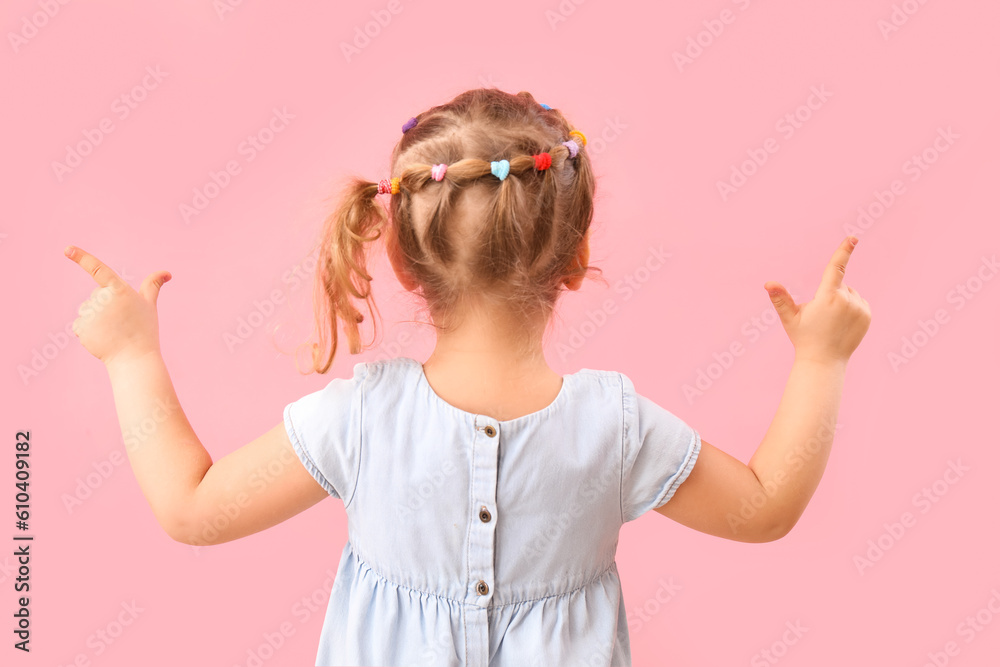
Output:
(485, 367)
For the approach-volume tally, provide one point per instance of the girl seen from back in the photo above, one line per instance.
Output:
(484, 492)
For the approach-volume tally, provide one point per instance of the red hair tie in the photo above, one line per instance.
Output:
(542, 161)
(388, 186)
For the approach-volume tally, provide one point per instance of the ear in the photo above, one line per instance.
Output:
(582, 257)
(396, 260)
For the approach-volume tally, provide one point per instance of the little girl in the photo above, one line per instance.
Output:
(484, 492)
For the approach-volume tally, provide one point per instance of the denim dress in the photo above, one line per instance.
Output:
(479, 542)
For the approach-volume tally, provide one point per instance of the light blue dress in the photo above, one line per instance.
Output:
(479, 542)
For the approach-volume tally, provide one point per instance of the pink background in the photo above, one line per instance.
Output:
(662, 136)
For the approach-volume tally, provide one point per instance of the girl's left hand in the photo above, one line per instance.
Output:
(117, 323)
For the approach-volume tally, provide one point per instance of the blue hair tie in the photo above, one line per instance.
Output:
(500, 169)
(546, 107)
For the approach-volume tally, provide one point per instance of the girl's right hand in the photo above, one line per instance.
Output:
(831, 326)
(117, 322)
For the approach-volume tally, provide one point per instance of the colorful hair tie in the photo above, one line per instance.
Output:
(573, 147)
(542, 161)
(500, 169)
(388, 186)
(438, 171)
(582, 139)
(546, 107)
(409, 125)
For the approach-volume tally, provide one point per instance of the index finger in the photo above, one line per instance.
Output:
(100, 271)
(833, 277)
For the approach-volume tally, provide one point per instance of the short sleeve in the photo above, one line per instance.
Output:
(325, 430)
(658, 452)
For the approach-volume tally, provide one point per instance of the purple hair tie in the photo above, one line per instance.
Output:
(410, 124)
(573, 147)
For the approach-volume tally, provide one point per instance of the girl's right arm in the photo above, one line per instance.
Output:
(762, 501)
(195, 501)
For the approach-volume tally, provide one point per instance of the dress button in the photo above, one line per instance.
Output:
(490, 431)
(484, 514)
(482, 588)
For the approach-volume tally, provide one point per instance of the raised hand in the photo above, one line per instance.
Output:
(117, 323)
(831, 326)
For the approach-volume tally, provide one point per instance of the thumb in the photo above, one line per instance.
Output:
(783, 302)
(151, 285)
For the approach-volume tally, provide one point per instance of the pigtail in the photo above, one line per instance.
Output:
(504, 240)
(508, 237)
(547, 198)
(578, 209)
(437, 237)
(342, 275)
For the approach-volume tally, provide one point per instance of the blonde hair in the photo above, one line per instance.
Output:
(470, 236)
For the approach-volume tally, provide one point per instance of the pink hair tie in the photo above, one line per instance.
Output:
(438, 171)
(573, 147)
